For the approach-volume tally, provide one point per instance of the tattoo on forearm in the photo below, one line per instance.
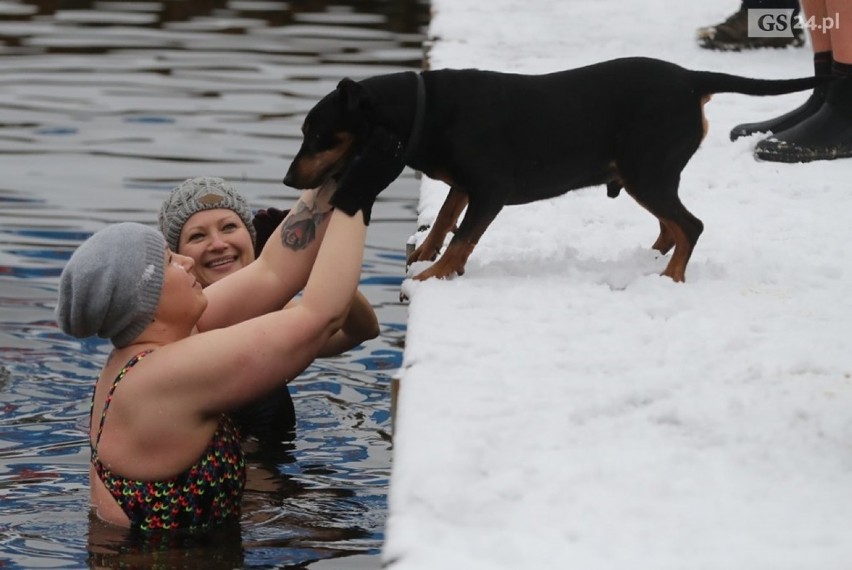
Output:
(299, 229)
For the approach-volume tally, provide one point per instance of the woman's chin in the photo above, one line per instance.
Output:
(214, 273)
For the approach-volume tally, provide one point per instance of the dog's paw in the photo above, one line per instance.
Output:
(422, 253)
(429, 274)
(439, 270)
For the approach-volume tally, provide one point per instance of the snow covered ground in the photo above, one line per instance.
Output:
(563, 406)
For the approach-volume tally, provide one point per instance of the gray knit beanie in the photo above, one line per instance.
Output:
(111, 286)
(197, 194)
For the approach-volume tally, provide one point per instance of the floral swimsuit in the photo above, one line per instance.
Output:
(206, 494)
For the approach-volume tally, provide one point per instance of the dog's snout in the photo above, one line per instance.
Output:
(292, 178)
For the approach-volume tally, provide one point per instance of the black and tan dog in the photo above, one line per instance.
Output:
(499, 139)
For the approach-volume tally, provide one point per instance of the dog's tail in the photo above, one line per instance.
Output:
(709, 82)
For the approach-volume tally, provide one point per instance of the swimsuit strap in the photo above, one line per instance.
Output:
(121, 374)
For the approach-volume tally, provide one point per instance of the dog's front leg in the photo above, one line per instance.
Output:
(451, 263)
(480, 213)
(448, 215)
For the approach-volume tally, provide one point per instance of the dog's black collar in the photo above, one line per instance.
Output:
(419, 113)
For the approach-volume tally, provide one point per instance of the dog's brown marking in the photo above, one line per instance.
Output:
(665, 241)
(676, 269)
(311, 170)
(448, 215)
(705, 126)
(444, 177)
(673, 234)
(452, 262)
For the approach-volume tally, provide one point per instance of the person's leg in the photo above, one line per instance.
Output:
(840, 13)
(816, 11)
(827, 134)
(813, 10)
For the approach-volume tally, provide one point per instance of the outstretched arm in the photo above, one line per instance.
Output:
(360, 325)
(279, 273)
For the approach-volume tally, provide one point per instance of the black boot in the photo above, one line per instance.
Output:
(822, 66)
(785, 121)
(825, 135)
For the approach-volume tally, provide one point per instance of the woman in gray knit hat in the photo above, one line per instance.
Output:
(206, 219)
(164, 452)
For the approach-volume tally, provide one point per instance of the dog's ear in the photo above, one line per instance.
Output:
(355, 98)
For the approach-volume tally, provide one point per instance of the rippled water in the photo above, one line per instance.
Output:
(104, 107)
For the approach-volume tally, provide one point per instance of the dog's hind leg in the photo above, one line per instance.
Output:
(650, 169)
(448, 215)
(678, 227)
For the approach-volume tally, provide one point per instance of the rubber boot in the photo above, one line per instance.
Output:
(825, 135)
(822, 66)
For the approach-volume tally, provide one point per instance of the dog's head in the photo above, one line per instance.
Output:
(332, 133)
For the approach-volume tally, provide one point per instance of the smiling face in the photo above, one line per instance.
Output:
(219, 243)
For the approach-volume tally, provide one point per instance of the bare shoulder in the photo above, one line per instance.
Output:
(149, 431)
(144, 376)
